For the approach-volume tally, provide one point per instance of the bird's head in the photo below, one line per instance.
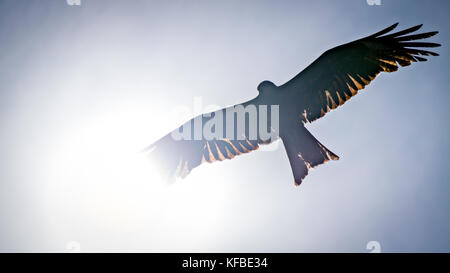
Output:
(266, 87)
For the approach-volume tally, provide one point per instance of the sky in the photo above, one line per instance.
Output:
(85, 88)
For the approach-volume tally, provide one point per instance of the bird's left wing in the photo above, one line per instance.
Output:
(340, 72)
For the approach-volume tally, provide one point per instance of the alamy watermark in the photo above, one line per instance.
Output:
(374, 247)
(239, 122)
(73, 2)
(73, 247)
(373, 2)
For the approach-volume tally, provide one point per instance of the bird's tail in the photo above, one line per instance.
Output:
(305, 152)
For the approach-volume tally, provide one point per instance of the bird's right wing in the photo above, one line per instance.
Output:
(177, 157)
(340, 72)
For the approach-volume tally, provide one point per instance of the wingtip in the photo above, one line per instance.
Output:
(431, 45)
(384, 31)
(148, 149)
(416, 28)
(432, 33)
(393, 26)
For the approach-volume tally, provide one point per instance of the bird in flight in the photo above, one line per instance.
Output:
(331, 80)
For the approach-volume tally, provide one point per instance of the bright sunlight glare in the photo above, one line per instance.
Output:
(99, 171)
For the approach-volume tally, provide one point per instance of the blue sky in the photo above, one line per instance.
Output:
(86, 87)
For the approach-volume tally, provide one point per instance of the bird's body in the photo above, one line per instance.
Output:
(282, 111)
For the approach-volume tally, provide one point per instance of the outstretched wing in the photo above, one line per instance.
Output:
(340, 72)
(177, 157)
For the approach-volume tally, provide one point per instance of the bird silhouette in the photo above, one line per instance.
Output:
(330, 81)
